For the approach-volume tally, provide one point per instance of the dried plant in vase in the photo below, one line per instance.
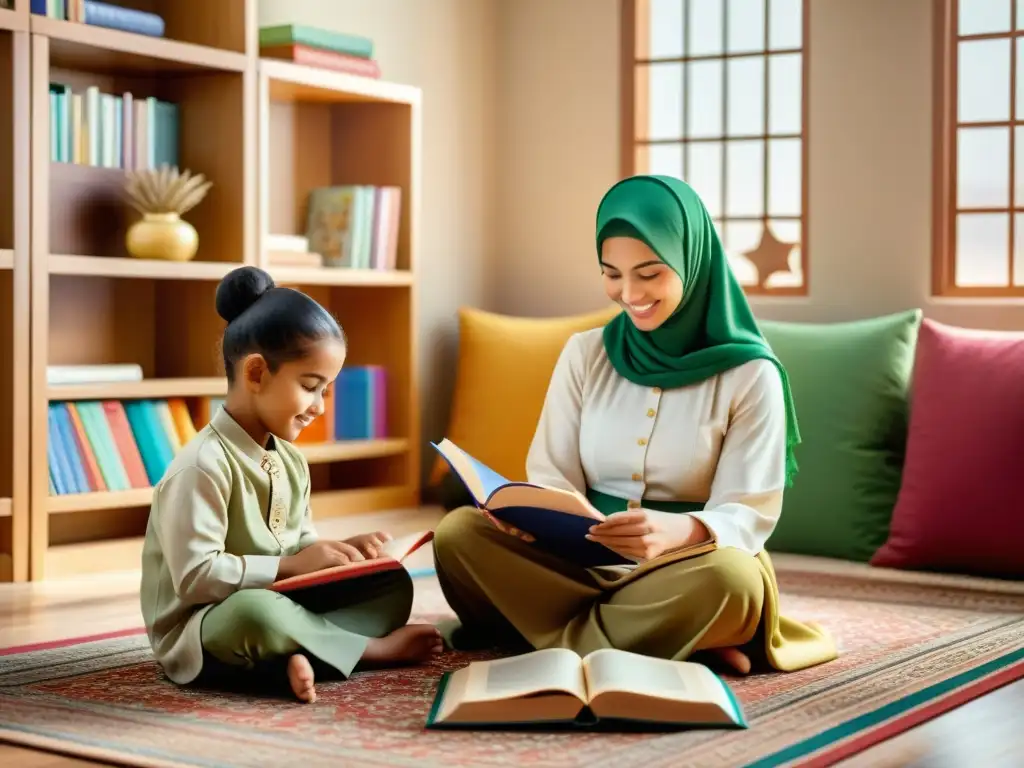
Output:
(162, 195)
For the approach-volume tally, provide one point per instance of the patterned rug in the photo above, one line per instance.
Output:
(909, 652)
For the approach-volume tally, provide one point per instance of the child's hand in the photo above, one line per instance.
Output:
(317, 556)
(371, 545)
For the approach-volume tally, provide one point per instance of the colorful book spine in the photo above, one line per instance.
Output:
(360, 411)
(323, 58)
(100, 14)
(355, 226)
(111, 445)
(108, 130)
(315, 37)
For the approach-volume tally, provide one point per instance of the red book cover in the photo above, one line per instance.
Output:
(395, 553)
(92, 467)
(316, 57)
(124, 438)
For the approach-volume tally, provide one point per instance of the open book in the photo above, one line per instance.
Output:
(606, 689)
(559, 520)
(306, 588)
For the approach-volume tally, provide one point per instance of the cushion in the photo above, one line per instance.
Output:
(504, 367)
(961, 506)
(850, 384)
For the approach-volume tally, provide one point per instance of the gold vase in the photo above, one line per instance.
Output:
(162, 236)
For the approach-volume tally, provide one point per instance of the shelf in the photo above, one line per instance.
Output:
(5, 507)
(81, 46)
(116, 266)
(297, 82)
(212, 386)
(6, 258)
(12, 20)
(66, 561)
(349, 450)
(87, 502)
(338, 276)
(315, 454)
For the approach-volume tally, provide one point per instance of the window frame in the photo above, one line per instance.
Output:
(629, 99)
(944, 162)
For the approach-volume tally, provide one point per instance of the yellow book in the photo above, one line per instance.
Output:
(182, 419)
(163, 411)
(607, 689)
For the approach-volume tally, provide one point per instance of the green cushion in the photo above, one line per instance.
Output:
(851, 384)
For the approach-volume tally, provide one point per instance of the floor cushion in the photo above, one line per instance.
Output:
(504, 368)
(850, 384)
(961, 505)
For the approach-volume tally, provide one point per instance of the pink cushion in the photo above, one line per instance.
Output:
(961, 502)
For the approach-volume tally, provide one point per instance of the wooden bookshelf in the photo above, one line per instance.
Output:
(15, 140)
(15, 19)
(265, 133)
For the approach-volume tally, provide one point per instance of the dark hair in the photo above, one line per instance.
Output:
(278, 323)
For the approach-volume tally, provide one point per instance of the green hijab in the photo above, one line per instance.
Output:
(713, 328)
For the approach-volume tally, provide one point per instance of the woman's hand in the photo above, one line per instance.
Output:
(370, 545)
(644, 534)
(506, 528)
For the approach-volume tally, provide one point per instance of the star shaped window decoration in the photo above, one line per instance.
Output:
(770, 256)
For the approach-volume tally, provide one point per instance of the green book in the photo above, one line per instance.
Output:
(605, 690)
(314, 37)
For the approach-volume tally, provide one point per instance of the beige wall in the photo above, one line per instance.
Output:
(870, 160)
(521, 132)
(446, 47)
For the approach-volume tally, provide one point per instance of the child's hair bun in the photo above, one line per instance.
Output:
(240, 289)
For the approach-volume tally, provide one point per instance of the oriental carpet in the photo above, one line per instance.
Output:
(910, 650)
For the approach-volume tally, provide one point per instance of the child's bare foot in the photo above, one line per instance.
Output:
(300, 676)
(410, 644)
(735, 658)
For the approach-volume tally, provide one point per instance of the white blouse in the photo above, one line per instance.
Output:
(721, 441)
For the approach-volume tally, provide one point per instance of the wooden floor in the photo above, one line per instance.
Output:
(986, 732)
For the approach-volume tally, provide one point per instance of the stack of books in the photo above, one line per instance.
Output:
(100, 14)
(355, 226)
(108, 130)
(291, 251)
(322, 48)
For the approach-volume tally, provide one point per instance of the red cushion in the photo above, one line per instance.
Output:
(961, 502)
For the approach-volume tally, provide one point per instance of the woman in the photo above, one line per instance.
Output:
(676, 420)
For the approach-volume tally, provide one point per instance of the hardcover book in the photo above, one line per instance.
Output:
(607, 690)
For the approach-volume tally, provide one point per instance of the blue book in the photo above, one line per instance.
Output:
(558, 520)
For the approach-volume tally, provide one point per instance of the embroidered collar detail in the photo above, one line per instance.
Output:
(230, 430)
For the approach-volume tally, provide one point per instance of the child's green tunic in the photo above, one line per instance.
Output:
(222, 517)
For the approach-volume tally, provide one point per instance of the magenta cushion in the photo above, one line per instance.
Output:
(961, 502)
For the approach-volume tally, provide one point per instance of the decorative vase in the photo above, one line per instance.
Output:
(162, 236)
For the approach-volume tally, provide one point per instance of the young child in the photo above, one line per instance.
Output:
(231, 515)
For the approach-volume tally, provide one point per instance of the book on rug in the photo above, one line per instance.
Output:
(306, 587)
(606, 689)
(559, 520)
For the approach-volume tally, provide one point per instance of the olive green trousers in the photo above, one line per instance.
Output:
(258, 629)
(507, 592)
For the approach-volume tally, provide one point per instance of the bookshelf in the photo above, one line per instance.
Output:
(265, 133)
(15, 141)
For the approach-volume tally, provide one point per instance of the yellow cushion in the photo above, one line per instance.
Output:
(504, 367)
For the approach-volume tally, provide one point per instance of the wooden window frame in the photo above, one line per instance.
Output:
(627, 129)
(944, 160)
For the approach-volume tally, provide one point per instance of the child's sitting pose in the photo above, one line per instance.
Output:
(231, 515)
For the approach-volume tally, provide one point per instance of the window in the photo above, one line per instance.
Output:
(979, 140)
(714, 93)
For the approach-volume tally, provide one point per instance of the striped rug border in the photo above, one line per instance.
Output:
(889, 720)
